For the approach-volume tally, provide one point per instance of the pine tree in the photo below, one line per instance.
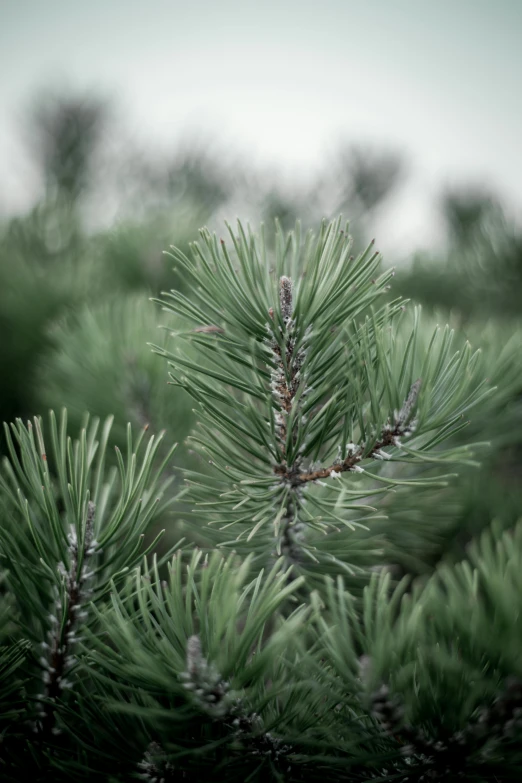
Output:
(285, 648)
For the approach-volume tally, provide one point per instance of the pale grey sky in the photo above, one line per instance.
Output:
(283, 81)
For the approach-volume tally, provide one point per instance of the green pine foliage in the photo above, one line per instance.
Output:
(305, 381)
(284, 647)
(423, 528)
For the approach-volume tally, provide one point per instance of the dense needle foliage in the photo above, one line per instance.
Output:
(287, 646)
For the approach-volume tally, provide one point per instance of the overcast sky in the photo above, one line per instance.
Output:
(283, 82)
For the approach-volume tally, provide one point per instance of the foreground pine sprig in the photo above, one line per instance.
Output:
(440, 672)
(70, 531)
(197, 663)
(304, 386)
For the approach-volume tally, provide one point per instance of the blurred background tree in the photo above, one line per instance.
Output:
(65, 132)
(480, 274)
(365, 178)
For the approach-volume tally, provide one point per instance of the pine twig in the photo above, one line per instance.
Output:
(390, 436)
(450, 755)
(211, 693)
(286, 379)
(64, 622)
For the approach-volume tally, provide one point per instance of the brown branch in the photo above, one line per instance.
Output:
(349, 463)
(389, 437)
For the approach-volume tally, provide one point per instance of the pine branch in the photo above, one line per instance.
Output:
(452, 755)
(229, 698)
(211, 693)
(390, 436)
(63, 549)
(287, 377)
(68, 614)
(285, 384)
